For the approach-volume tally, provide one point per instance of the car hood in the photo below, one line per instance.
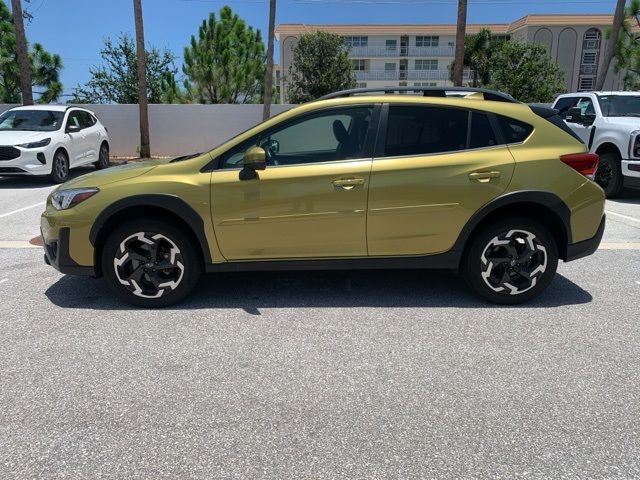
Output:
(111, 175)
(17, 137)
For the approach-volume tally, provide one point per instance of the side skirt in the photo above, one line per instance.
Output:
(447, 260)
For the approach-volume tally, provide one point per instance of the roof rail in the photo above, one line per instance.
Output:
(427, 92)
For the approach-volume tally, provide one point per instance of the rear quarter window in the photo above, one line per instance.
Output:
(513, 131)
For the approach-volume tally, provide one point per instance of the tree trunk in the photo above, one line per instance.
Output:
(22, 53)
(461, 27)
(145, 148)
(618, 18)
(268, 75)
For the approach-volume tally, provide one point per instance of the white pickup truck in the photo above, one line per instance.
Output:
(609, 124)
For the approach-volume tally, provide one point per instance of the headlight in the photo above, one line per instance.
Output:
(64, 199)
(38, 144)
(634, 144)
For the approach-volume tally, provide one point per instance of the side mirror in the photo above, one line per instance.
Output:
(73, 129)
(574, 115)
(254, 159)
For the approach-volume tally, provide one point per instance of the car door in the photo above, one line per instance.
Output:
(310, 201)
(434, 167)
(91, 137)
(583, 130)
(76, 141)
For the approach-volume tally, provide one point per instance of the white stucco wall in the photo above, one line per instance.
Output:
(176, 129)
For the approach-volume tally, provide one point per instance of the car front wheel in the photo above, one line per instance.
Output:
(59, 167)
(150, 263)
(511, 261)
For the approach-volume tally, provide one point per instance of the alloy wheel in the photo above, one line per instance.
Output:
(604, 173)
(60, 166)
(149, 264)
(513, 262)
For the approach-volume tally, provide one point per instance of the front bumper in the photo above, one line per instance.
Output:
(631, 168)
(56, 254)
(586, 247)
(32, 161)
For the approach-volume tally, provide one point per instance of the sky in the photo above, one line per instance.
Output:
(76, 29)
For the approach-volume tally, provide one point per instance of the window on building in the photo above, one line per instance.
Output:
(361, 85)
(589, 58)
(585, 84)
(391, 45)
(424, 84)
(422, 64)
(356, 41)
(427, 41)
(390, 67)
(591, 39)
(359, 64)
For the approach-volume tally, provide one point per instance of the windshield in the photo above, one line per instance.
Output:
(620, 105)
(31, 120)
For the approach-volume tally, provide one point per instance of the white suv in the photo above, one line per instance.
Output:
(50, 140)
(609, 124)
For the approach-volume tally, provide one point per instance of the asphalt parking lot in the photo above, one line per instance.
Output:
(399, 374)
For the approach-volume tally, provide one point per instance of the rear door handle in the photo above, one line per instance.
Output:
(348, 183)
(483, 177)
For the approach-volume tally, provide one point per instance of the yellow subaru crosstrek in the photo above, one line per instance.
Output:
(463, 179)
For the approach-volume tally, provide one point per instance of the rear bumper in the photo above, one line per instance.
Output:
(56, 254)
(586, 247)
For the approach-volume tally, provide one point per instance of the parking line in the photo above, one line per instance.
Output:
(22, 209)
(633, 219)
(17, 244)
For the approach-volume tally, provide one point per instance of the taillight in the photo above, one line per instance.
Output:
(584, 163)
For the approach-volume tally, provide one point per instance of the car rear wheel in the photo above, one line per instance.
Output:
(103, 157)
(511, 261)
(150, 263)
(609, 174)
(59, 167)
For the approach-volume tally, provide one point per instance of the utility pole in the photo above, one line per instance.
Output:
(22, 53)
(145, 149)
(461, 27)
(618, 18)
(268, 75)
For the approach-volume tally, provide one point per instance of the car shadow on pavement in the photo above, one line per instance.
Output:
(327, 289)
(26, 182)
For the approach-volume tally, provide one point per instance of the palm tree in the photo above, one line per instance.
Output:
(145, 148)
(461, 27)
(618, 18)
(268, 75)
(477, 49)
(22, 53)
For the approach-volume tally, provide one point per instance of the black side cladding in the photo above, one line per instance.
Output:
(551, 115)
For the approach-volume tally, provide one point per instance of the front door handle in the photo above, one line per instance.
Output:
(484, 177)
(348, 183)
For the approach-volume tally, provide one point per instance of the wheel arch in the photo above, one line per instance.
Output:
(608, 147)
(544, 207)
(167, 208)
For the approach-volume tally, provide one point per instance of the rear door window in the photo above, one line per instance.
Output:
(417, 130)
(482, 134)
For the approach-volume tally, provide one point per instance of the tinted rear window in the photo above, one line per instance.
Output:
(414, 130)
(514, 131)
(482, 134)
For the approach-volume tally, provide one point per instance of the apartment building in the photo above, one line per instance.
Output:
(421, 54)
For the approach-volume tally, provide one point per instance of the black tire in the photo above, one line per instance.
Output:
(143, 284)
(510, 261)
(103, 157)
(59, 167)
(609, 174)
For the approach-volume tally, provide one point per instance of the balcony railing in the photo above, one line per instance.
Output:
(381, 51)
(409, 75)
